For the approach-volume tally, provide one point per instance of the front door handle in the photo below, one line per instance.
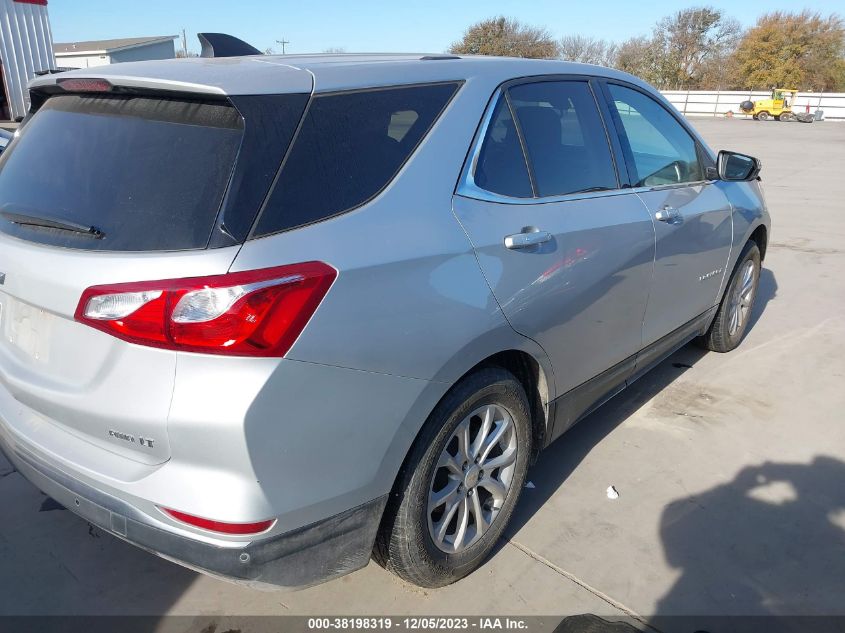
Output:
(668, 214)
(523, 240)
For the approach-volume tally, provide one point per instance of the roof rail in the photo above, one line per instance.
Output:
(223, 45)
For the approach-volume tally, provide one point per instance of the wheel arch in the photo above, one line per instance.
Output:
(529, 365)
(531, 375)
(760, 235)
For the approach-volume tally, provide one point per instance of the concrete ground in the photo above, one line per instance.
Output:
(730, 469)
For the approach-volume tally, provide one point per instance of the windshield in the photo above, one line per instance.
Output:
(148, 174)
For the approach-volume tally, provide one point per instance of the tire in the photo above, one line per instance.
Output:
(406, 544)
(763, 116)
(786, 117)
(754, 116)
(734, 313)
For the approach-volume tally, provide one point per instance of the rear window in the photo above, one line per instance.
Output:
(148, 173)
(349, 148)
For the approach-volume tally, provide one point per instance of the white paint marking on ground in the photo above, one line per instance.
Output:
(572, 577)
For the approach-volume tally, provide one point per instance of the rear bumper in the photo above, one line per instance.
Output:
(307, 556)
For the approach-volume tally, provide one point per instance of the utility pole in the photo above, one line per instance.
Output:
(282, 41)
(184, 44)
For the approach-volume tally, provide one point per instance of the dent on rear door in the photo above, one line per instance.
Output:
(582, 295)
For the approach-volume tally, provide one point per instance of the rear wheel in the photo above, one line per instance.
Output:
(460, 483)
(763, 116)
(734, 312)
(786, 116)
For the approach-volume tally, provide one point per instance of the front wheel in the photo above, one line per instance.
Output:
(763, 116)
(460, 483)
(734, 312)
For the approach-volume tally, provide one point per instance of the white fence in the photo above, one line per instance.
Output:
(719, 103)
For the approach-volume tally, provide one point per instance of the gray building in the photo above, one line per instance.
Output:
(102, 52)
(25, 49)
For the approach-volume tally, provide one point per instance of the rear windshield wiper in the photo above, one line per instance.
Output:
(51, 223)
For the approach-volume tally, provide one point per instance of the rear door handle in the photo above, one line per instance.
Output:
(523, 240)
(668, 214)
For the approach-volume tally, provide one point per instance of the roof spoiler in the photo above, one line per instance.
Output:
(223, 45)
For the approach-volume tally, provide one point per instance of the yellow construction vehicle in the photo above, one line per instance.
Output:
(779, 106)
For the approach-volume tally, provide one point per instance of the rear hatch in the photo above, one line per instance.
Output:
(105, 189)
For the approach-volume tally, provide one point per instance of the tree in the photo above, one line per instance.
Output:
(693, 43)
(335, 50)
(587, 50)
(506, 37)
(792, 50)
(688, 49)
(639, 56)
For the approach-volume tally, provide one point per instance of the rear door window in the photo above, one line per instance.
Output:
(148, 173)
(564, 136)
(349, 147)
(660, 150)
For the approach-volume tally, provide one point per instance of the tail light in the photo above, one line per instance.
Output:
(255, 313)
(220, 526)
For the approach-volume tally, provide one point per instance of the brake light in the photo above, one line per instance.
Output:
(220, 526)
(254, 313)
(72, 84)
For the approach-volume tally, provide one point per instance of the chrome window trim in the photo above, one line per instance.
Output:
(673, 185)
(472, 191)
(476, 193)
(467, 187)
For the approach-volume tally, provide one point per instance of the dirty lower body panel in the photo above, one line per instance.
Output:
(307, 556)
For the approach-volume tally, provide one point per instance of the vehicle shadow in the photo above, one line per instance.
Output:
(766, 291)
(770, 542)
(56, 564)
(558, 461)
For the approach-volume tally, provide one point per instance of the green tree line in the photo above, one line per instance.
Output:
(699, 48)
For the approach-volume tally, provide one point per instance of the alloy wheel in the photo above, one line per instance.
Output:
(742, 298)
(472, 478)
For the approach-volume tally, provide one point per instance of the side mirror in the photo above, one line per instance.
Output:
(737, 167)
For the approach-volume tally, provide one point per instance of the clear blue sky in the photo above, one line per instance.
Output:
(370, 25)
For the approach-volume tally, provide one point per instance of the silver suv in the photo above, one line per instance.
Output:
(268, 317)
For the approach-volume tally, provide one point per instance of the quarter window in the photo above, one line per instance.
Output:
(660, 150)
(349, 147)
(564, 137)
(501, 164)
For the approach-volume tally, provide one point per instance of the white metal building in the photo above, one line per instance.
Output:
(102, 52)
(26, 47)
